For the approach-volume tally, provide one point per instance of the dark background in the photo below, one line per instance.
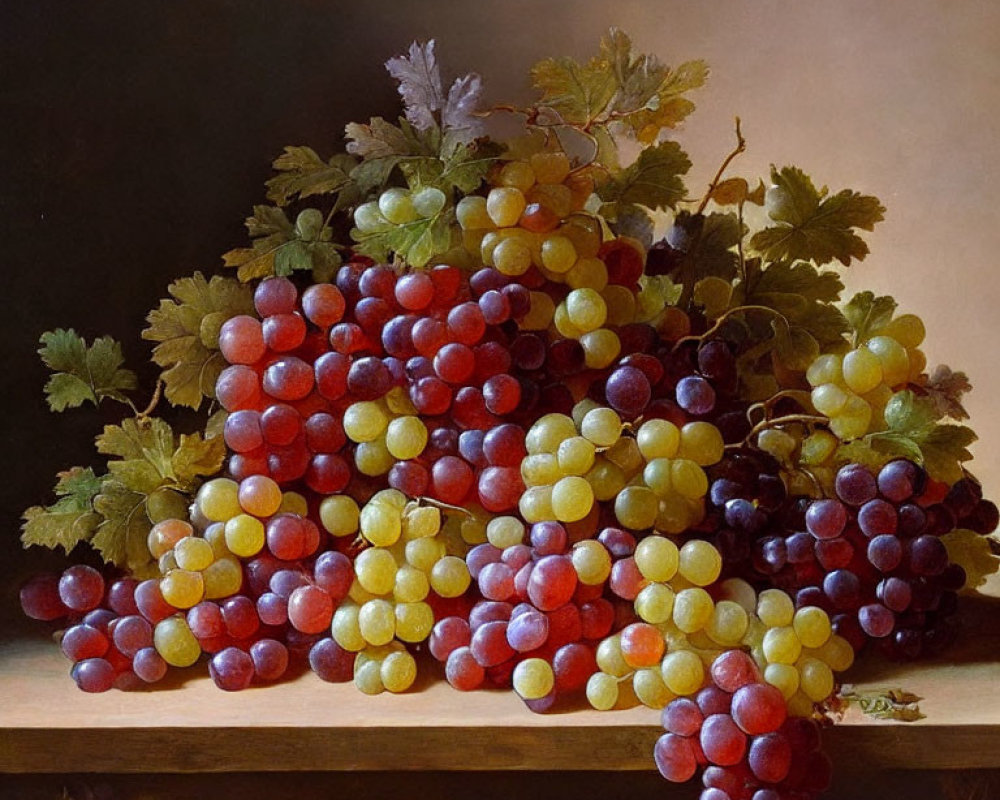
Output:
(136, 136)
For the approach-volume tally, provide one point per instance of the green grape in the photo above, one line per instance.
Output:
(428, 201)
(701, 442)
(424, 553)
(591, 561)
(693, 609)
(829, 399)
(512, 256)
(683, 672)
(504, 205)
(812, 626)
(626, 454)
(414, 621)
(182, 588)
(777, 443)
(346, 629)
(781, 645)
(471, 213)
(636, 507)
(450, 577)
(572, 499)
(657, 558)
(587, 309)
(588, 273)
(825, 369)
(836, 652)
(729, 623)
(376, 570)
(783, 677)
(535, 504)
(609, 657)
(602, 691)
(420, 521)
(862, 370)
(548, 432)
(655, 603)
(163, 504)
(245, 535)
(411, 584)
(533, 678)
(600, 348)
(365, 421)
(688, 479)
(658, 438)
(397, 206)
(558, 254)
(650, 688)
(368, 676)
(775, 608)
(853, 420)
(406, 437)
(907, 329)
(602, 426)
(369, 219)
(193, 554)
(504, 532)
(564, 325)
(540, 469)
(893, 358)
(223, 578)
(740, 592)
(815, 679)
(575, 456)
(380, 523)
(373, 458)
(218, 499)
(699, 562)
(175, 643)
(377, 621)
(606, 479)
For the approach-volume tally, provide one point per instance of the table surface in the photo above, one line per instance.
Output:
(187, 725)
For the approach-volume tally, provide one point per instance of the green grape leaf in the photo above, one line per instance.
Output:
(303, 173)
(419, 84)
(799, 278)
(196, 457)
(121, 536)
(868, 314)
(464, 165)
(381, 139)
(973, 553)
(945, 388)
(653, 180)
(191, 366)
(579, 93)
(81, 373)
(813, 225)
(415, 242)
(668, 107)
(145, 450)
(68, 521)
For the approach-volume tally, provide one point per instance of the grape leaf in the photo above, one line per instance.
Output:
(799, 278)
(380, 139)
(419, 84)
(415, 242)
(196, 457)
(668, 106)
(458, 116)
(145, 449)
(68, 521)
(579, 93)
(83, 373)
(304, 173)
(973, 553)
(812, 224)
(868, 314)
(945, 388)
(121, 536)
(280, 248)
(464, 165)
(191, 366)
(653, 180)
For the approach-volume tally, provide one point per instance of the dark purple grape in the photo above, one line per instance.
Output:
(894, 593)
(912, 520)
(927, 556)
(826, 519)
(695, 395)
(628, 391)
(855, 485)
(885, 552)
(876, 620)
(331, 662)
(899, 480)
(716, 361)
(877, 517)
(843, 588)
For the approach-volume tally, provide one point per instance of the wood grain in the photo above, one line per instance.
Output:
(187, 725)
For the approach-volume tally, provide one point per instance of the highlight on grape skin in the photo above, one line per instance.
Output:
(471, 415)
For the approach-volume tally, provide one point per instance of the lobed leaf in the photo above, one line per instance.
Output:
(945, 389)
(653, 180)
(68, 521)
(304, 174)
(82, 373)
(419, 84)
(973, 553)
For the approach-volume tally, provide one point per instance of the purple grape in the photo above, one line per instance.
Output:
(877, 517)
(548, 538)
(876, 620)
(132, 634)
(885, 552)
(927, 556)
(799, 548)
(695, 395)
(899, 480)
(231, 669)
(826, 519)
(912, 520)
(843, 588)
(40, 598)
(93, 675)
(715, 360)
(894, 593)
(149, 665)
(528, 631)
(855, 485)
(81, 588)
(331, 662)
(628, 391)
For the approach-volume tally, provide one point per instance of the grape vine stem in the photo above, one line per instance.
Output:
(777, 422)
(741, 146)
(723, 317)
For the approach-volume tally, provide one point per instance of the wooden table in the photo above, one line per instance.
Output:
(47, 725)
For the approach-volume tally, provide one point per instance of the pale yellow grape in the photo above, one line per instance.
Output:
(836, 652)
(893, 358)
(450, 577)
(625, 453)
(166, 562)
(775, 608)
(358, 593)
(575, 456)
(862, 370)
(650, 689)
(218, 499)
(471, 213)
(799, 705)
(683, 672)
(657, 558)
(540, 313)
(572, 498)
(398, 402)
(414, 621)
(293, 503)
(587, 309)
(504, 205)
(512, 256)
(245, 535)
(825, 369)
(398, 671)
(215, 535)
(424, 553)
(533, 678)
(346, 629)
(818, 448)
(428, 201)
(535, 504)
(853, 420)
(192, 553)
(907, 329)
(602, 426)
(518, 174)
(609, 657)
(655, 603)
(588, 273)
(636, 507)
(829, 399)
(621, 305)
(658, 476)
(777, 443)
(396, 206)
(602, 691)
(558, 254)
(581, 408)
(781, 645)
(688, 479)
(373, 458)
(606, 479)
(739, 591)
(783, 677)
(549, 167)
(812, 626)
(406, 437)
(473, 530)
(693, 609)
(368, 218)
(700, 442)
(815, 679)
(600, 348)
(658, 438)
(175, 643)
(488, 242)
(677, 514)
(339, 514)
(591, 561)
(377, 621)
(504, 532)
(540, 469)
(364, 421)
(729, 623)
(420, 521)
(368, 677)
(380, 523)
(376, 570)
(700, 562)
(223, 578)
(410, 585)
(564, 325)
(548, 432)
(182, 588)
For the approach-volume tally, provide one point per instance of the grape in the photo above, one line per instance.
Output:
(722, 742)
(331, 662)
(758, 708)
(770, 757)
(81, 588)
(628, 391)
(855, 485)
(40, 598)
(93, 675)
(310, 609)
(462, 670)
(733, 670)
(675, 758)
(695, 395)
